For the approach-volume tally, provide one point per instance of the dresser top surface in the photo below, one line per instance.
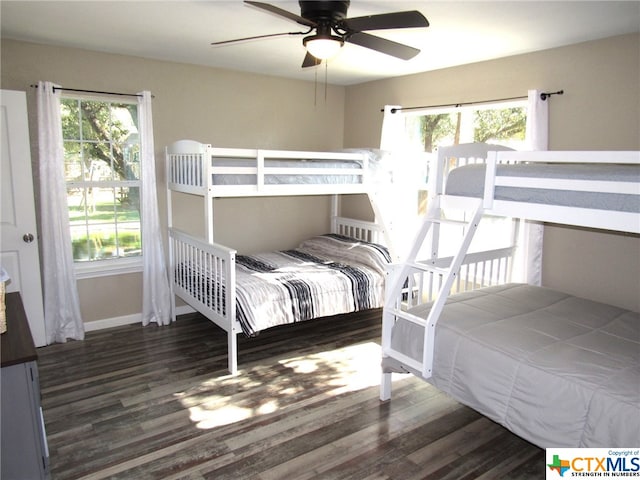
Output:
(16, 344)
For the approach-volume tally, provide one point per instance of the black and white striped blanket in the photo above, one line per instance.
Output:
(325, 275)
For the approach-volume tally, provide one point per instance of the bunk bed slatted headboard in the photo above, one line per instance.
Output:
(360, 230)
(186, 167)
(454, 156)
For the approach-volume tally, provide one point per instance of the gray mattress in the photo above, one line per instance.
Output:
(284, 178)
(468, 181)
(558, 370)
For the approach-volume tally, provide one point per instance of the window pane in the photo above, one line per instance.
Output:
(98, 163)
(494, 125)
(129, 240)
(73, 166)
(123, 125)
(101, 208)
(101, 241)
(80, 244)
(70, 120)
(128, 201)
(131, 161)
(430, 131)
(95, 120)
(77, 203)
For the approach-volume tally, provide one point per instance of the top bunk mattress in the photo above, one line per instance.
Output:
(469, 181)
(317, 171)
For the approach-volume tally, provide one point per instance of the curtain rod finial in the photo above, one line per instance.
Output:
(545, 95)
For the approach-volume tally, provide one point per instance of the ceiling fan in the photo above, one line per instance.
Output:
(333, 29)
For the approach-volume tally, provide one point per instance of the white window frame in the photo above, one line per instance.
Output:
(115, 266)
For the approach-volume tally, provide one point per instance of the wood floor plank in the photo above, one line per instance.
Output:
(157, 403)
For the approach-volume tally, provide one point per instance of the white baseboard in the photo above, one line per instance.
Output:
(112, 322)
(127, 320)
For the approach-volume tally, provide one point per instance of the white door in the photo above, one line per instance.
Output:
(19, 246)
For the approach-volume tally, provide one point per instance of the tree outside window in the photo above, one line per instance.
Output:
(490, 124)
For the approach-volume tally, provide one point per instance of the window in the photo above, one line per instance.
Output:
(102, 173)
(503, 123)
(425, 130)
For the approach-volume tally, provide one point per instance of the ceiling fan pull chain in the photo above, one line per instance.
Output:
(315, 88)
(326, 68)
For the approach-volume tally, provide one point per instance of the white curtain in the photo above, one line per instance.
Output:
(528, 260)
(392, 135)
(156, 300)
(537, 121)
(61, 304)
(395, 202)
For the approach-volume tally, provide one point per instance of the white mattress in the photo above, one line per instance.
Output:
(558, 370)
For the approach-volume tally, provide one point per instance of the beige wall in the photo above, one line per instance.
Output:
(599, 110)
(221, 107)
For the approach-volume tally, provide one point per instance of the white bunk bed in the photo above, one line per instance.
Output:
(206, 275)
(558, 370)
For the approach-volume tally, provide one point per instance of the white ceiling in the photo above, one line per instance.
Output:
(181, 31)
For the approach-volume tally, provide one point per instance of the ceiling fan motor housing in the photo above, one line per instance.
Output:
(323, 12)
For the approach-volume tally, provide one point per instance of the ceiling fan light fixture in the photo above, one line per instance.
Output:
(321, 46)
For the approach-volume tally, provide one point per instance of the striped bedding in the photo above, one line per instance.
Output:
(326, 275)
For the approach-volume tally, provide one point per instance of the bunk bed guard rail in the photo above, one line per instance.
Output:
(201, 169)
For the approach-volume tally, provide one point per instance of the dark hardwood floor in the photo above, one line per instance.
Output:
(156, 403)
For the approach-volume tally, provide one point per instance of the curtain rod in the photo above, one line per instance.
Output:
(94, 91)
(543, 97)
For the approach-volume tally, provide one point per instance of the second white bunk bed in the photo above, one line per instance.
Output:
(206, 275)
(558, 370)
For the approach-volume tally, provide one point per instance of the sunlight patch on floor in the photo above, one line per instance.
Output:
(355, 367)
(206, 418)
(263, 390)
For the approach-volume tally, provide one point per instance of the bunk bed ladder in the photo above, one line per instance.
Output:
(441, 298)
(398, 282)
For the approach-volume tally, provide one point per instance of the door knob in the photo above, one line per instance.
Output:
(28, 237)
